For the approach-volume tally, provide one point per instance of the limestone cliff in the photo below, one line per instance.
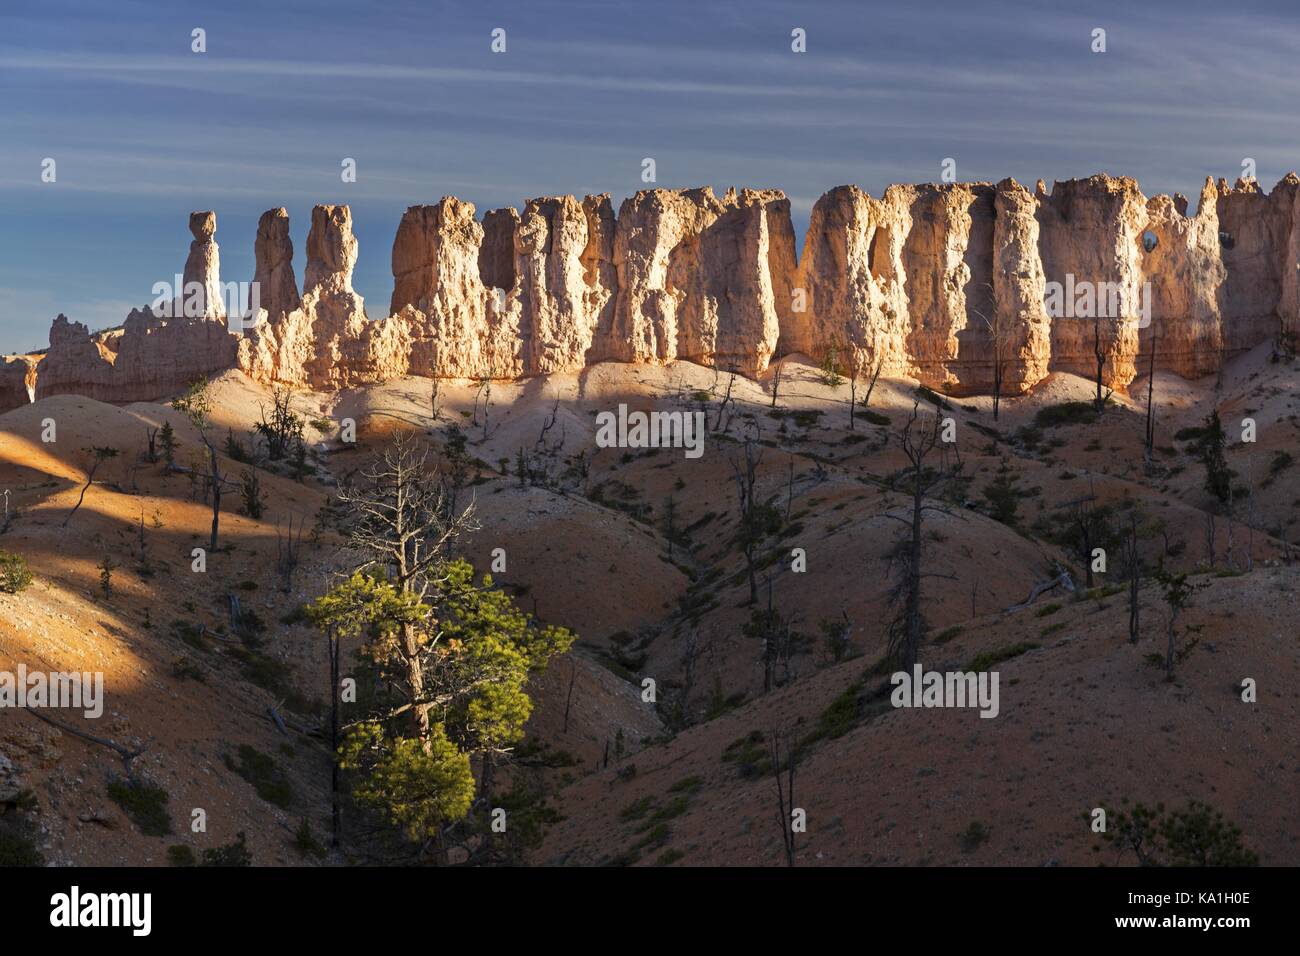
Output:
(17, 381)
(958, 285)
(151, 356)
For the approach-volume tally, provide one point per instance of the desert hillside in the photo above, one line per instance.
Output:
(216, 684)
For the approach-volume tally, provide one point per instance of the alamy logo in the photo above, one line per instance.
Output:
(62, 689)
(1084, 299)
(190, 300)
(74, 909)
(626, 429)
(946, 689)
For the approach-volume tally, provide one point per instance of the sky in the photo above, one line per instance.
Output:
(143, 130)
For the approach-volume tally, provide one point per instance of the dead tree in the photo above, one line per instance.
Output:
(1133, 568)
(1061, 579)
(547, 424)
(778, 372)
(484, 389)
(284, 427)
(757, 519)
(783, 755)
(1250, 512)
(1000, 332)
(670, 523)
(197, 407)
(334, 734)
(403, 524)
(151, 435)
(727, 403)
(694, 648)
(853, 365)
(1100, 353)
(1089, 525)
(568, 697)
(1151, 420)
(907, 630)
(287, 547)
(871, 386)
(99, 455)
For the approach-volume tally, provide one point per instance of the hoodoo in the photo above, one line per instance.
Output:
(947, 283)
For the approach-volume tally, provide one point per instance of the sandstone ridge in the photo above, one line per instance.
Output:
(948, 283)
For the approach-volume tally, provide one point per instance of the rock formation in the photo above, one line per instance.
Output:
(327, 341)
(151, 356)
(201, 293)
(17, 381)
(273, 278)
(957, 284)
(1186, 273)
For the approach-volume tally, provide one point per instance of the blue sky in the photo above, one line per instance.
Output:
(144, 131)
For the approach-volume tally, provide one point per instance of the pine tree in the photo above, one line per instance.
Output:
(168, 438)
(1218, 477)
(458, 651)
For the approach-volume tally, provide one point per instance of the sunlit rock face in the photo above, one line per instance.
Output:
(961, 285)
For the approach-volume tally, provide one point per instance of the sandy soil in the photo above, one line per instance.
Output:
(1085, 720)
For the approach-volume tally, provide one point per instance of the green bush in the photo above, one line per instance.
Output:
(18, 850)
(1196, 836)
(260, 770)
(232, 854)
(1066, 413)
(145, 804)
(181, 855)
(974, 836)
(15, 576)
(992, 658)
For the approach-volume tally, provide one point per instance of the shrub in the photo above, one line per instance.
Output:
(687, 785)
(1196, 836)
(994, 657)
(305, 842)
(18, 850)
(144, 803)
(1066, 413)
(260, 770)
(749, 754)
(974, 836)
(232, 854)
(15, 576)
(181, 855)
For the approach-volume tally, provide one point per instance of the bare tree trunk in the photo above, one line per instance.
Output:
(334, 735)
(1151, 421)
(415, 681)
(1134, 579)
(568, 698)
(784, 792)
(866, 401)
(216, 491)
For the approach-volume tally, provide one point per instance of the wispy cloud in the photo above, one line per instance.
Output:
(143, 130)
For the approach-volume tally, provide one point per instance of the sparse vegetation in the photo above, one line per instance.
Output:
(15, 576)
(1198, 835)
(144, 803)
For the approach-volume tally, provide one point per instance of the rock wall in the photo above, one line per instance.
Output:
(958, 285)
(151, 356)
(17, 381)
